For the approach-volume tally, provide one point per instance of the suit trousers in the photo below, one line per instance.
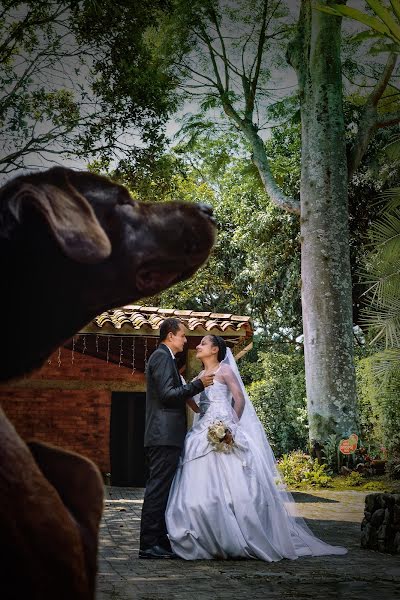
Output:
(163, 462)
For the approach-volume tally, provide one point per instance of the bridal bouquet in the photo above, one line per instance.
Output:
(220, 436)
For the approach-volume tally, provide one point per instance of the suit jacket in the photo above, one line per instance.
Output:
(166, 400)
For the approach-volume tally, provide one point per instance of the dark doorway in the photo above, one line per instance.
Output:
(126, 439)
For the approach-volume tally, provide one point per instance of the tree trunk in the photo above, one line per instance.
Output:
(326, 279)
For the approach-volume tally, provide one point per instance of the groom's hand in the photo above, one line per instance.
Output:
(207, 379)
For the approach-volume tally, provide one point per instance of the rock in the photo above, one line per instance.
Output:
(377, 518)
(389, 499)
(396, 543)
(381, 500)
(365, 536)
(370, 502)
(396, 517)
(387, 518)
(380, 528)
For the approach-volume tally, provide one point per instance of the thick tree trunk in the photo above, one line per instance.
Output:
(326, 280)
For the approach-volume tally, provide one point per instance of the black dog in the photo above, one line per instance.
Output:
(72, 245)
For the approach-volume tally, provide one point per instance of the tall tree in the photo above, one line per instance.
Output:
(228, 57)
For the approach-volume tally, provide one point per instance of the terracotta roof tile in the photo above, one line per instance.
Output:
(151, 317)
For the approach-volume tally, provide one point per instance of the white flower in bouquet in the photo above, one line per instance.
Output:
(220, 431)
(220, 437)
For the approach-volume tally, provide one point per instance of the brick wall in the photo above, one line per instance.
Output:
(42, 405)
(77, 420)
(67, 402)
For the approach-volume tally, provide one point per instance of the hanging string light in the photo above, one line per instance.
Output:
(73, 350)
(133, 355)
(120, 351)
(84, 345)
(97, 343)
(145, 352)
(59, 357)
(108, 348)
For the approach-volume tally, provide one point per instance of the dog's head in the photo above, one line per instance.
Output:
(93, 220)
(77, 244)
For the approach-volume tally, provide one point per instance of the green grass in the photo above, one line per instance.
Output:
(372, 484)
(363, 484)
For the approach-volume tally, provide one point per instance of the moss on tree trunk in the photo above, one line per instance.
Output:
(326, 279)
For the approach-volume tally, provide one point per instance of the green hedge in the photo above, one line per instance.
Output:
(279, 399)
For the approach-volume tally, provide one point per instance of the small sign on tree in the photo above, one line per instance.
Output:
(349, 446)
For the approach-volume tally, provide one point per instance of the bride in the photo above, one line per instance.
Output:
(227, 500)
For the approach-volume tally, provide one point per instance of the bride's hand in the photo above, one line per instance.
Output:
(207, 379)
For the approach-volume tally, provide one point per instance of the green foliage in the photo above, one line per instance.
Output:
(331, 453)
(279, 400)
(300, 470)
(385, 24)
(254, 268)
(382, 273)
(354, 479)
(76, 77)
(393, 466)
(379, 403)
(358, 481)
(379, 374)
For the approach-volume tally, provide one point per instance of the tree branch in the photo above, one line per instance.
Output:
(250, 84)
(370, 120)
(260, 160)
(224, 55)
(207, 40)
(388, 119)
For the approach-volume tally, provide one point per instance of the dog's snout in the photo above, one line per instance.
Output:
(208, 211)
(206, 208)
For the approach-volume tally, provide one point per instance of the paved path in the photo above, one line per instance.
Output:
(334, 516)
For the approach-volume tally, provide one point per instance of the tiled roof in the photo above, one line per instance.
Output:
(147, 319)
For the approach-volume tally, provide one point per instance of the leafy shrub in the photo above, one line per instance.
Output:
(379, 400)
(279, 399)
(331, 453)
(354, 479)
(393, 466)
(298, 468)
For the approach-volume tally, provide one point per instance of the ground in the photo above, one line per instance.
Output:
(333, 515)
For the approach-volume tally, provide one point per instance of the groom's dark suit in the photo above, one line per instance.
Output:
(165, 432)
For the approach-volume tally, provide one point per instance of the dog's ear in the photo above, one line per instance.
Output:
(70, 217)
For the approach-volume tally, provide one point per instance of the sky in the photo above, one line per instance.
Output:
(63, 74)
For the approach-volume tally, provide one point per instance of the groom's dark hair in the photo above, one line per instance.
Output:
(170, 325)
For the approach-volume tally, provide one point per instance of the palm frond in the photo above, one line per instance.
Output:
(387, 365)
(392, 197)
(382, 275)
(393, 149)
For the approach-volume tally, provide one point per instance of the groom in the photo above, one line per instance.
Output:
(165, 432)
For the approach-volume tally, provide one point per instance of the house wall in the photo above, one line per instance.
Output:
(68, 403)
(76, 420)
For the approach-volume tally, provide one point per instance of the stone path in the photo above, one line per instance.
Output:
(334, 516)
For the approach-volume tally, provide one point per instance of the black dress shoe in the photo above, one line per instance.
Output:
(156, 552)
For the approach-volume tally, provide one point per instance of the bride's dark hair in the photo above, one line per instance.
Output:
(220, 344)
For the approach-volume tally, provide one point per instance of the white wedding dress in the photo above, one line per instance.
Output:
(234, 505)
